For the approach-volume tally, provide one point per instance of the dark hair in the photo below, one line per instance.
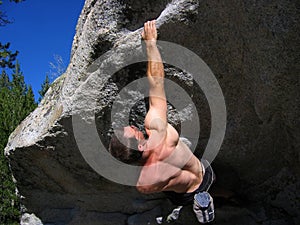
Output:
(127, 152)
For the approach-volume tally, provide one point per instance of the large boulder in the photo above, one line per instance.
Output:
(251, 47)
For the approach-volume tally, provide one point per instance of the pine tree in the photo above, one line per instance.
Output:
(45, 86)
(16, 102)
(30, 103)
(19, 90)
(7, 57)
(3, 18)
(4, 80)
(12, 93)
(9, 209)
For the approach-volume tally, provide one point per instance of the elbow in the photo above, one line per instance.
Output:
(144, 189)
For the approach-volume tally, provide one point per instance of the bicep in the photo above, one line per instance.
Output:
(156, 118)
(157, 98)
(156, 124)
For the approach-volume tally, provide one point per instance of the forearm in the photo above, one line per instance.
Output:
(155, 74)
(155, 66)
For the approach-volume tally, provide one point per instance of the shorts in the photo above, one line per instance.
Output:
(184, 199)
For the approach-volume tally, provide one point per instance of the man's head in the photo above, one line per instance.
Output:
(125, 144)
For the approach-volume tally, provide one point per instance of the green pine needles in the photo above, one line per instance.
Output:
(16, 102)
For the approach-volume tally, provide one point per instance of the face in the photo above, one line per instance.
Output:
(133, 132)
(129, 132)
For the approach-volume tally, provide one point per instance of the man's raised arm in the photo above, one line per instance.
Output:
(157, 115)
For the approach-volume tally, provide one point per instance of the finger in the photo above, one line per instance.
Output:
(148, 26)
(152, 24)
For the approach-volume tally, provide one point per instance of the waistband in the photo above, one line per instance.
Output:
(188, 198)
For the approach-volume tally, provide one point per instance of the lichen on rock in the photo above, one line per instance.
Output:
(250, 48)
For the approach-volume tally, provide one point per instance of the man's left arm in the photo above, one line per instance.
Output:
(163, 176)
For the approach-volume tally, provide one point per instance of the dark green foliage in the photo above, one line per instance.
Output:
(16, 1)
(7, 57)
(3, 17)
(30, 103)
(16, 102)
(45, 86)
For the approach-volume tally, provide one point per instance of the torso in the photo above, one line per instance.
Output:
(171, 152)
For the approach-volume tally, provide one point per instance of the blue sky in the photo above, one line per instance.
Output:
(40, 30)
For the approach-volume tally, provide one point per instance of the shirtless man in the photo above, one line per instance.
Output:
(168, 164)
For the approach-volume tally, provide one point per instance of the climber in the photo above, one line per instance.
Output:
(168, 165)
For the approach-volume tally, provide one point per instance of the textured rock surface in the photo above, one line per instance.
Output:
(253, 49)
(30, 219)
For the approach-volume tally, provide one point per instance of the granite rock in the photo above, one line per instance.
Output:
(252, 47)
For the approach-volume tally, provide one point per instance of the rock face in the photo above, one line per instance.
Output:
(252, 48)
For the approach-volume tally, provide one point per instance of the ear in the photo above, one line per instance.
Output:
(141, 147)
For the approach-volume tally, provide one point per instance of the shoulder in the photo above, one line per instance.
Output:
(172, 136)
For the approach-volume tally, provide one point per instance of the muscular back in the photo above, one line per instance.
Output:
(169, 166)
